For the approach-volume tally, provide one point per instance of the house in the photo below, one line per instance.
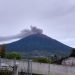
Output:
(69, 61)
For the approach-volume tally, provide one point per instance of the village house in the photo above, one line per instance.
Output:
(69, 62)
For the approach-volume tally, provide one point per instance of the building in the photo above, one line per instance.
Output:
(69, 62)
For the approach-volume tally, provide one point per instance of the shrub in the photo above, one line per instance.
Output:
(13, 55)
(42, 60)
(5, 72)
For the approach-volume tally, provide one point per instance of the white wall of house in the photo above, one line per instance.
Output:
(69, 62)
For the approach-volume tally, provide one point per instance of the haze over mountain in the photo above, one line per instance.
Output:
(39, 43)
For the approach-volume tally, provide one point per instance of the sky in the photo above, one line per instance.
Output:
(55, 17)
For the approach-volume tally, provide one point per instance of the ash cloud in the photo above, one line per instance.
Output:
(23, 33)
(33, 30)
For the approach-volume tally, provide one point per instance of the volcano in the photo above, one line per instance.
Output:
(39, 44)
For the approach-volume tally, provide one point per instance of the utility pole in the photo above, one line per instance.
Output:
(0, 62)
(15, 68)
(29, 67)
(49, 65)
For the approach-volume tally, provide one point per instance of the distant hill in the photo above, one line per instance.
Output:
(39, 44)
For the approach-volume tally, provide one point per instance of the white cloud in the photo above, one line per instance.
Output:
(55, 17)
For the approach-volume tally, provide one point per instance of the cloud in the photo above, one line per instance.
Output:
(69, 41)
(55, 17)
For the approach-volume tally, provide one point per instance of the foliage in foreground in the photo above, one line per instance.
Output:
(42, 60)
(72, 53)
(13, 55)
(5, 72)
(2, 51)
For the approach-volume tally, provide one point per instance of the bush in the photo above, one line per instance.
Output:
(2, 51)
(42, 60)
(5, 72)
(72, 53)
(13, 55)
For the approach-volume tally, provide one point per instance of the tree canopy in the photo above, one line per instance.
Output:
(2, 51)
(13, 55)
(72, 53)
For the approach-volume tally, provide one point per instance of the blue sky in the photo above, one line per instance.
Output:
(55, 17)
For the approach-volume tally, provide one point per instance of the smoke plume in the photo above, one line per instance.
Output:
(33, 30)
(23, 33)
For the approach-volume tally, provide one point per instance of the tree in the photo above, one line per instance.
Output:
(2, 51)
(42, 60)
(13, 55)
(72, 53)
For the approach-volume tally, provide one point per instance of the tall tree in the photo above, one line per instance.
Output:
(2, 51)
(72, 53)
